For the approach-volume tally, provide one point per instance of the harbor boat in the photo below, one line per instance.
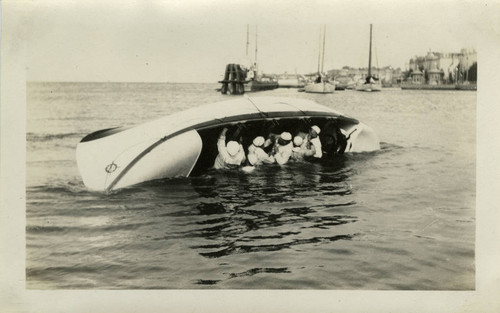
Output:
(261, 84)
(320, 87)
(371, 83)
(258, 82)
(287, 81)
(321, 84)
(239, 79)
(185, 143)
(235, 81)
(344, 82)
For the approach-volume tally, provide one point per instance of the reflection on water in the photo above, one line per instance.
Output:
(265, 210)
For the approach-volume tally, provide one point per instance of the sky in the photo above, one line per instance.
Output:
(192, 41)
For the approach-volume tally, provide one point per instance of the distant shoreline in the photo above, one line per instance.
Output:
(439, 87)
(114, 82)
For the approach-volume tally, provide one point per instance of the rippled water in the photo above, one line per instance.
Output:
(399, 218)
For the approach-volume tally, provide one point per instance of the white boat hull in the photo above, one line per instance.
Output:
(176, 144)
(172, 157)
(369, 87)
(320, 88)
(290, 83)
(363, 139)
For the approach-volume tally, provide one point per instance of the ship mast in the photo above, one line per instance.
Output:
(370, 55)
(248, 38)
(319, 50)
(256, 66)
(323, 57)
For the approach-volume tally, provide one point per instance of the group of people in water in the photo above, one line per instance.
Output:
(276, 148)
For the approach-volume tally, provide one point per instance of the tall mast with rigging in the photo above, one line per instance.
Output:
(370, 54)
(248, 39)
(323, 56)
(256, 66)
(319, 50)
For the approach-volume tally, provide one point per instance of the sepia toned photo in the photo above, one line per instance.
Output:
(176, 148)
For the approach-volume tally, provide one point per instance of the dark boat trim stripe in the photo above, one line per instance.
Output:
(283, 114)
(221, 122)
(103, 133)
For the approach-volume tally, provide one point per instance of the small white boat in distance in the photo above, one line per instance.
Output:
(321, 87)
(291, 83)
(185, 143)
(369, 86)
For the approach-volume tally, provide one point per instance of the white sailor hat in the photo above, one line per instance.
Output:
(297, 140)
(258, 141)
(286, 136)
(233, 148)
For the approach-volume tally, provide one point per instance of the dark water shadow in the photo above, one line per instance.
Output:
(241, 212)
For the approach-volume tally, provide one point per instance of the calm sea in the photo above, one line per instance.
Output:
(399, 218)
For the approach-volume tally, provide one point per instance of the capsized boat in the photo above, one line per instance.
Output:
(185, 143)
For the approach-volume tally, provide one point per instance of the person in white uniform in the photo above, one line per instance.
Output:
(231, 155)
(257, 155)
(283, 148)
(313, 138)
(299, 151)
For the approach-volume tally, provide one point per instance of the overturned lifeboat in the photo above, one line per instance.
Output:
(184, 143)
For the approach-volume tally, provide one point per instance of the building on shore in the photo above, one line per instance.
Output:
(438, 68)
(388, 75)
(433, 69)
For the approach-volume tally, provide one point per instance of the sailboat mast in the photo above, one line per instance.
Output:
(248, 38)
(370, 56)
(319, 49)
(256, 29)
(323, 57)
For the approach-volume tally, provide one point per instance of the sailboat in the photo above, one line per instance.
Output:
(371, 83)
(258, 82)
(321, 85)
(238, 78)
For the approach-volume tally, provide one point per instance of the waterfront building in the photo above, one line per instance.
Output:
(444, 68)
(387, 74)
(417, 77)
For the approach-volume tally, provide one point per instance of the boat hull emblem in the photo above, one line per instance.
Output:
(110, 168)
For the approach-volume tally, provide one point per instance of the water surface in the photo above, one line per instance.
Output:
(399, 218)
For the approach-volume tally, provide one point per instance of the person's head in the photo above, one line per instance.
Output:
(233, 148)
(258, 141)
(297, 141)
(315, 130)
(285, 138)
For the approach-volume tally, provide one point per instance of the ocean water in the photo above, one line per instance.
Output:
(402, 218)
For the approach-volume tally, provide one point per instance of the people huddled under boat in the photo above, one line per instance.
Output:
(335, 138)
(256, 153)
(313, 138)
(279, 148)
(231, 155)
(282, 150)
(302, 149)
